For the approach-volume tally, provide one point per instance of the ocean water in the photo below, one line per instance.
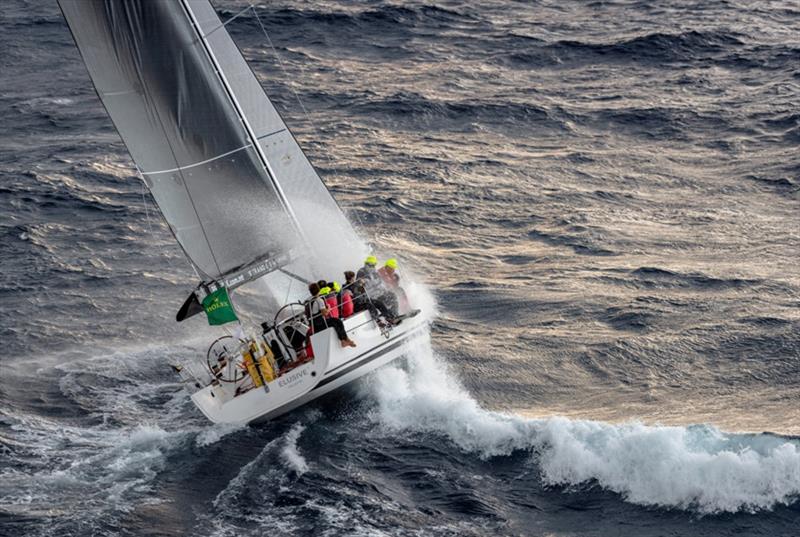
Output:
(602, 199)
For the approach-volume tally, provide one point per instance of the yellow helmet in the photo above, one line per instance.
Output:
(391, 263)
(336, 287)
(371, 260)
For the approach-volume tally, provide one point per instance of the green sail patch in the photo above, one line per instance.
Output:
(218, 307)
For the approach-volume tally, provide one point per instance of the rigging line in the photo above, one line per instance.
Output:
(288, 291)
(223, 24)
(297, 96)
(280, 61)
(150, 225)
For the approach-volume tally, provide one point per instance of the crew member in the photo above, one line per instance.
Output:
(369, 275)
(346, 306)
(391, 280)
(388, 273)
(370, 278)
(317, 311)
(360, 298)
(369, 293)
(331, 296)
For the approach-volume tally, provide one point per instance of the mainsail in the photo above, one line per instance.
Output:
(234, 186)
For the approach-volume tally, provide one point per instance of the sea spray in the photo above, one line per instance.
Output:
(694, 468)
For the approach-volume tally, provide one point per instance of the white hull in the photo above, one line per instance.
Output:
(332, 367)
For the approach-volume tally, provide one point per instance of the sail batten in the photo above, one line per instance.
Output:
(229, 178)
(186, 167)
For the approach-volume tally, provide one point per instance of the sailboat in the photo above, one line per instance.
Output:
(241, 199)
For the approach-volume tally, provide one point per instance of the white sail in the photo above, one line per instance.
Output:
(236, 189)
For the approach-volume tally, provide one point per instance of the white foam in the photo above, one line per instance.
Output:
(290, 454)
(215, 433)
(689, 468)
(229, 496)
(105, 469)
(697, 468)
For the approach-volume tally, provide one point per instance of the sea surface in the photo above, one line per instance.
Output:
(602, 199)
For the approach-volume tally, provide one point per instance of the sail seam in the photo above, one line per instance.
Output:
(181, 168)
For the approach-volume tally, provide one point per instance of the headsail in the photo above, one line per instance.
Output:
(231, 181)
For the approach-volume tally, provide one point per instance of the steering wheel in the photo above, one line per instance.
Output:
(290, 306)
(222, 357)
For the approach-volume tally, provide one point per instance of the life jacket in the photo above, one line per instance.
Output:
(390, 278)
(332, 303)
(346, 303)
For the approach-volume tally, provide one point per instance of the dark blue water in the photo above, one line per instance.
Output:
(603, 197)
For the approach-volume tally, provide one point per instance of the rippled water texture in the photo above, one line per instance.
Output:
(603, 198)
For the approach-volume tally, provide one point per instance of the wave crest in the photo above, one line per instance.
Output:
(697, 468)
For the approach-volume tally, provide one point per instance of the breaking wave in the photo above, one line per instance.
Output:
(696, 468)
